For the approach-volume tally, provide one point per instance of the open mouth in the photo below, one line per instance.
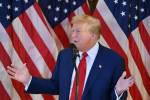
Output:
(75, 41)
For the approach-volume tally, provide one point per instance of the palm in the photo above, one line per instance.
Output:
(123, 84)
(20, 74)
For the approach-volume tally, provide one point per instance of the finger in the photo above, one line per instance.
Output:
(25, 64)
(13, 65)
(10, 73)
(123, 75)
(130, 79)
(11, 69)
(12, 77)
(131, 82)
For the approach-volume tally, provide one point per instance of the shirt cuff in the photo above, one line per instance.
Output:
(118, 96)
(27, 85)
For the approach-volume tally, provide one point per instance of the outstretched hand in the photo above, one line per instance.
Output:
(123, 83)
(20, 74)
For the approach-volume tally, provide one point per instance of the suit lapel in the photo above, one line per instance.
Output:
(68, 75)
(95, 70)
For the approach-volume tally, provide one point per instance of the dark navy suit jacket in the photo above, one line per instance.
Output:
(100, 83)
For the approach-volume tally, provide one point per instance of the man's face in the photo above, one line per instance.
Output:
(81, 36)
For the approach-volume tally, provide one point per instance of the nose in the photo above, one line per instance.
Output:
(74, 34)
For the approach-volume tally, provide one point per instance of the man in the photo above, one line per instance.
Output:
(99, 68)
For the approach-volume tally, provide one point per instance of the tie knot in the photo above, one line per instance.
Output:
(84, 54)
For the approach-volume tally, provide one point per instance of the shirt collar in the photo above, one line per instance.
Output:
(91, 52)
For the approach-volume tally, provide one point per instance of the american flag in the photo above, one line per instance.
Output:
(26, 36)
(126, 29)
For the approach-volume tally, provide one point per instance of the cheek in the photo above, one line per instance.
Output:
(85, 40)
(87, 37)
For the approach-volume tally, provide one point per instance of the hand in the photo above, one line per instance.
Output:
(20, 74)
(124, 84)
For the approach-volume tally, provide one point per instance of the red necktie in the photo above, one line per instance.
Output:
(82, 73)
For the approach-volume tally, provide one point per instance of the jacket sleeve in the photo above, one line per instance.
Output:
(120, 67)
(51, 86)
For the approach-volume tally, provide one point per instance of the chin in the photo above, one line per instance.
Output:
(78, 47)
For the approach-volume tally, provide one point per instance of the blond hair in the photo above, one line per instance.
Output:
(94, 24)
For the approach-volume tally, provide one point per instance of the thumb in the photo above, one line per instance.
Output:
(25, 64)
(123, 75)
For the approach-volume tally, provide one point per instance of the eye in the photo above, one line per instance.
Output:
(76, 30)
